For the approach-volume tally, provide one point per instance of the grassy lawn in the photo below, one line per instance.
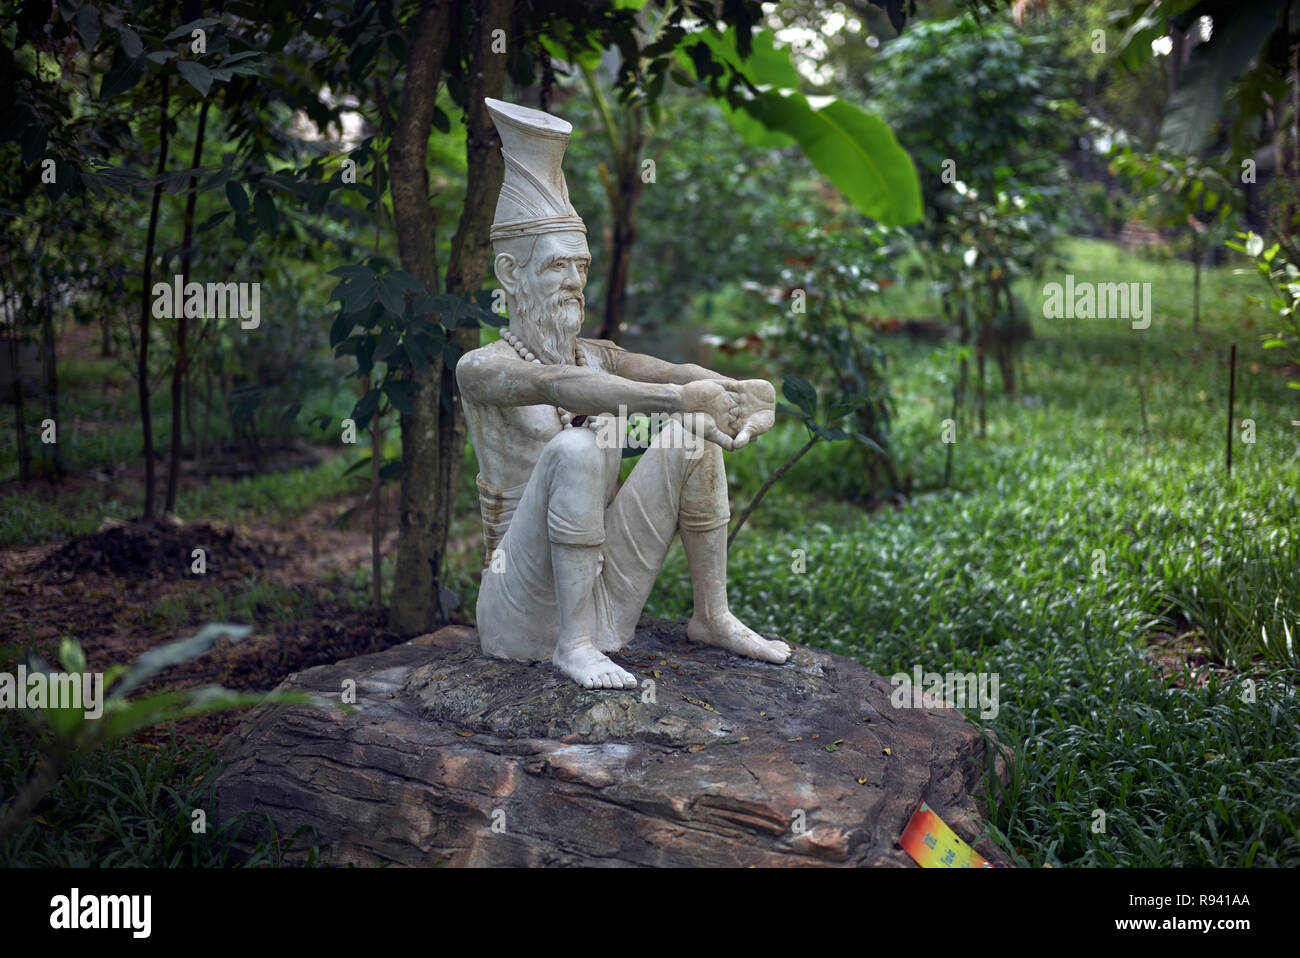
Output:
(1072, 541)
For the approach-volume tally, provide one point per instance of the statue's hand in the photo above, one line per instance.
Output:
(714, 397)
(711, 407)
(756, 410)
(703, 426)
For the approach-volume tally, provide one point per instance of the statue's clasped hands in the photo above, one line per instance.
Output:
(729, 412)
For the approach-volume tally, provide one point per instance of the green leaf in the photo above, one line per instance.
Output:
(237, 57)
(801, 393)
(71, 655)
(34, 142)
(237, 197)
(89, 27)
(386, 346)
(345, 517)
(822, 432)
(340, 328)
(785, 410)
(399, 397)
(353, 271)
(356, 295)
(124, 74)
(363, 461)
(264, 210)
(130, 40)
(403, 280)
(365, 408)
(869, 443)
(1195, 106)
(416, 356)
(855, 150)
(197, 76)
(155, 660)
(212, 221)
(189, 28)
(391, 296)
(124, 718)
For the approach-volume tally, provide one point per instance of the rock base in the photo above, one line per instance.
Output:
(454, 758)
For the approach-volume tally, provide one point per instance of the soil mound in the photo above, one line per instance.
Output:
(159, 548)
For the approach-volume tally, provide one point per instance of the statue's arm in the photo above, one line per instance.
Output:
(651, 369)
(756, 399)
(505, 381)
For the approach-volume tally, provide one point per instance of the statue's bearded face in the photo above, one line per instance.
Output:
(546, 303)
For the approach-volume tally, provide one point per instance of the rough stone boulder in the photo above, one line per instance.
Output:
(454, 758)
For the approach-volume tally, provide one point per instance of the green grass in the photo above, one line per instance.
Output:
(45, 513)
(1001, 573)
(129, 806)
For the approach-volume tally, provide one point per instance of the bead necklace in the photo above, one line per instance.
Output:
(567, 419)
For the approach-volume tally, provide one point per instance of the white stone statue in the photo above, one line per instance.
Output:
(570, 555)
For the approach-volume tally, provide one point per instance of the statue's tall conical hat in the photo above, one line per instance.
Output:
(534, 196)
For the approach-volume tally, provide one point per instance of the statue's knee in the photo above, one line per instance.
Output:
(676, 439)
(576, 451)
(576, 448)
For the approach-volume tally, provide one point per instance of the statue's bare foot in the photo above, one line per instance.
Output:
(583, 662)
(728, 632)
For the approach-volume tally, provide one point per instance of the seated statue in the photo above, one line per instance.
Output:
(570, 555)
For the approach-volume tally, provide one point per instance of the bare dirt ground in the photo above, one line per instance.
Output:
(128, 587)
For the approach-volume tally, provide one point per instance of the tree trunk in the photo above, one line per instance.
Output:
(1196, 280)
(182, 360)
(433, 437)
(20, 425)
(146, 289)
(471, 246)
(50, 377)
(623, 236)
(421, 527)
(376, 514)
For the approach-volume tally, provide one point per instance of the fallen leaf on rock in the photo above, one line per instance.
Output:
(465, 734)
(702, 704)
(887, 751)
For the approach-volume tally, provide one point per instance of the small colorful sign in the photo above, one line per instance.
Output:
(932, 844)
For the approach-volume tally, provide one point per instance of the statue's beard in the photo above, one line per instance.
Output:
(549, 328)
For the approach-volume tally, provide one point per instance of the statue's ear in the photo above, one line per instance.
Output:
(507, 270)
